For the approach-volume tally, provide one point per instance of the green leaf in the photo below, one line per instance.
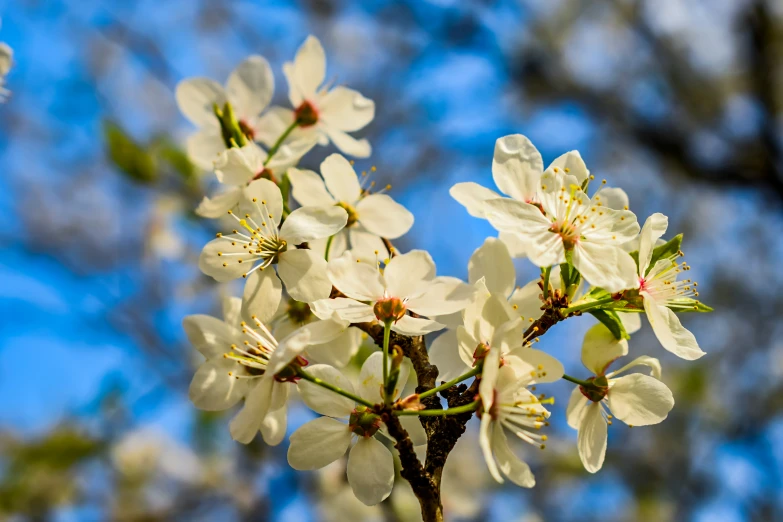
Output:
(611, 320)
(131, 158)
(176, 158)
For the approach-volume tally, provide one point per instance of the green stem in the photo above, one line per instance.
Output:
(386, 337)
(328, 247)
(273, 150)
(336, 389)
(451, 411)
(588, 305)
(547, 271)
(447, 385)
(577, 381)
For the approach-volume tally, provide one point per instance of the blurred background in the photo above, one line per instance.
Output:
(676, 101)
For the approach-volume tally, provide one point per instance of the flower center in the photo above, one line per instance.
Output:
(353, 216)
(291, 372)
(364, 422)
(389, 309)
(661, 282)
(265, 173)
(252, 355)
(306, 114)
(298, 312)
(599, 387)
(567, 232)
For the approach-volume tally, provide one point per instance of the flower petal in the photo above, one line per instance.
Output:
(262, 296)
(359, 281)
(237, 166)
(600, 348)
(323, 401)
(445, 295)
(383, 216)
(493, 262)
(643, 360)
(510, 465)
(371, 378)
(304, 274)
(653, 229)
(614, 198)
(413, 326)
(209, 335)
(347, 309)
(517, 167)
(250, 87)
(346, 143)
(577, 406)
(308, 188)
(346, 109)
(339, 351)
(220, 204)
(205, 147)
(196, 97)
(247, 423)
(517, 244)
(538, 366)
(409, 274)
(308, 223)
(485, 442)
(260, 199)
(274, 426)
(526, 301)
(591, 439)
(570, 163)
(318, 443)
(640, 400)
(605, 266)
(213, 389)
(472, 196)
(632, 322)
(370, 470)
(364, 244)
(341, 179)
(444, 353)
(212, 261)
(670, 332)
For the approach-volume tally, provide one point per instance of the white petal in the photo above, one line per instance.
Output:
(262, 296)
(250, 87)
(536, 365)
(346, 109)
(414, 428)
(232, 310)
(341, 179)
(274, 426)
(577, 406)
(267, 196)
(364, 244)
(485, 442)
(512, 467)
(357, 280)
(308, 223)
(600, 348)
(205, 147)
(337, 247)
(413, 326)
(527, 300)
(213, 389)
(212, 264)
(210, 336)
(237, 166)
(318, 443)
(643, 360)
(495, 313)
(614, 198)
(489, 377)
(444, 353)
(337, 352)
(371, 378)
(196, 98)
(640, 400)
(466, 346)
(308, 188)
(347, 309)
(493, 262)
(307, 72)
(445, 295)
(323, 401)
(247, 423)
(670, 332)
(605, 266)
(370, 471)
(517, 244)
(632, 322)
(304, 274)
(653, 229)
(220, 204)
(273, 124)
(383, 216)
(348, 144)
(517, 167)
(591, 440)
(571, 163)
(472, 196)
(409, 274)
(508, 215)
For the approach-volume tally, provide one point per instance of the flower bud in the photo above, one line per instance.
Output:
(389, 309)
(291, 372)
(411, 402)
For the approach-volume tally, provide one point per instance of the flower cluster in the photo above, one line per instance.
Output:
(314, 252)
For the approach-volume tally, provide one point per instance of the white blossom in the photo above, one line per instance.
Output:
(408, 280)
(248, 89)
(259, 239)
(324, 113)
(6, 62)
(326, 439)
(636, 399)
(370, 216)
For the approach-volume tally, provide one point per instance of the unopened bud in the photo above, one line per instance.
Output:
(480, 352)
(411, 402)
(389, 309)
